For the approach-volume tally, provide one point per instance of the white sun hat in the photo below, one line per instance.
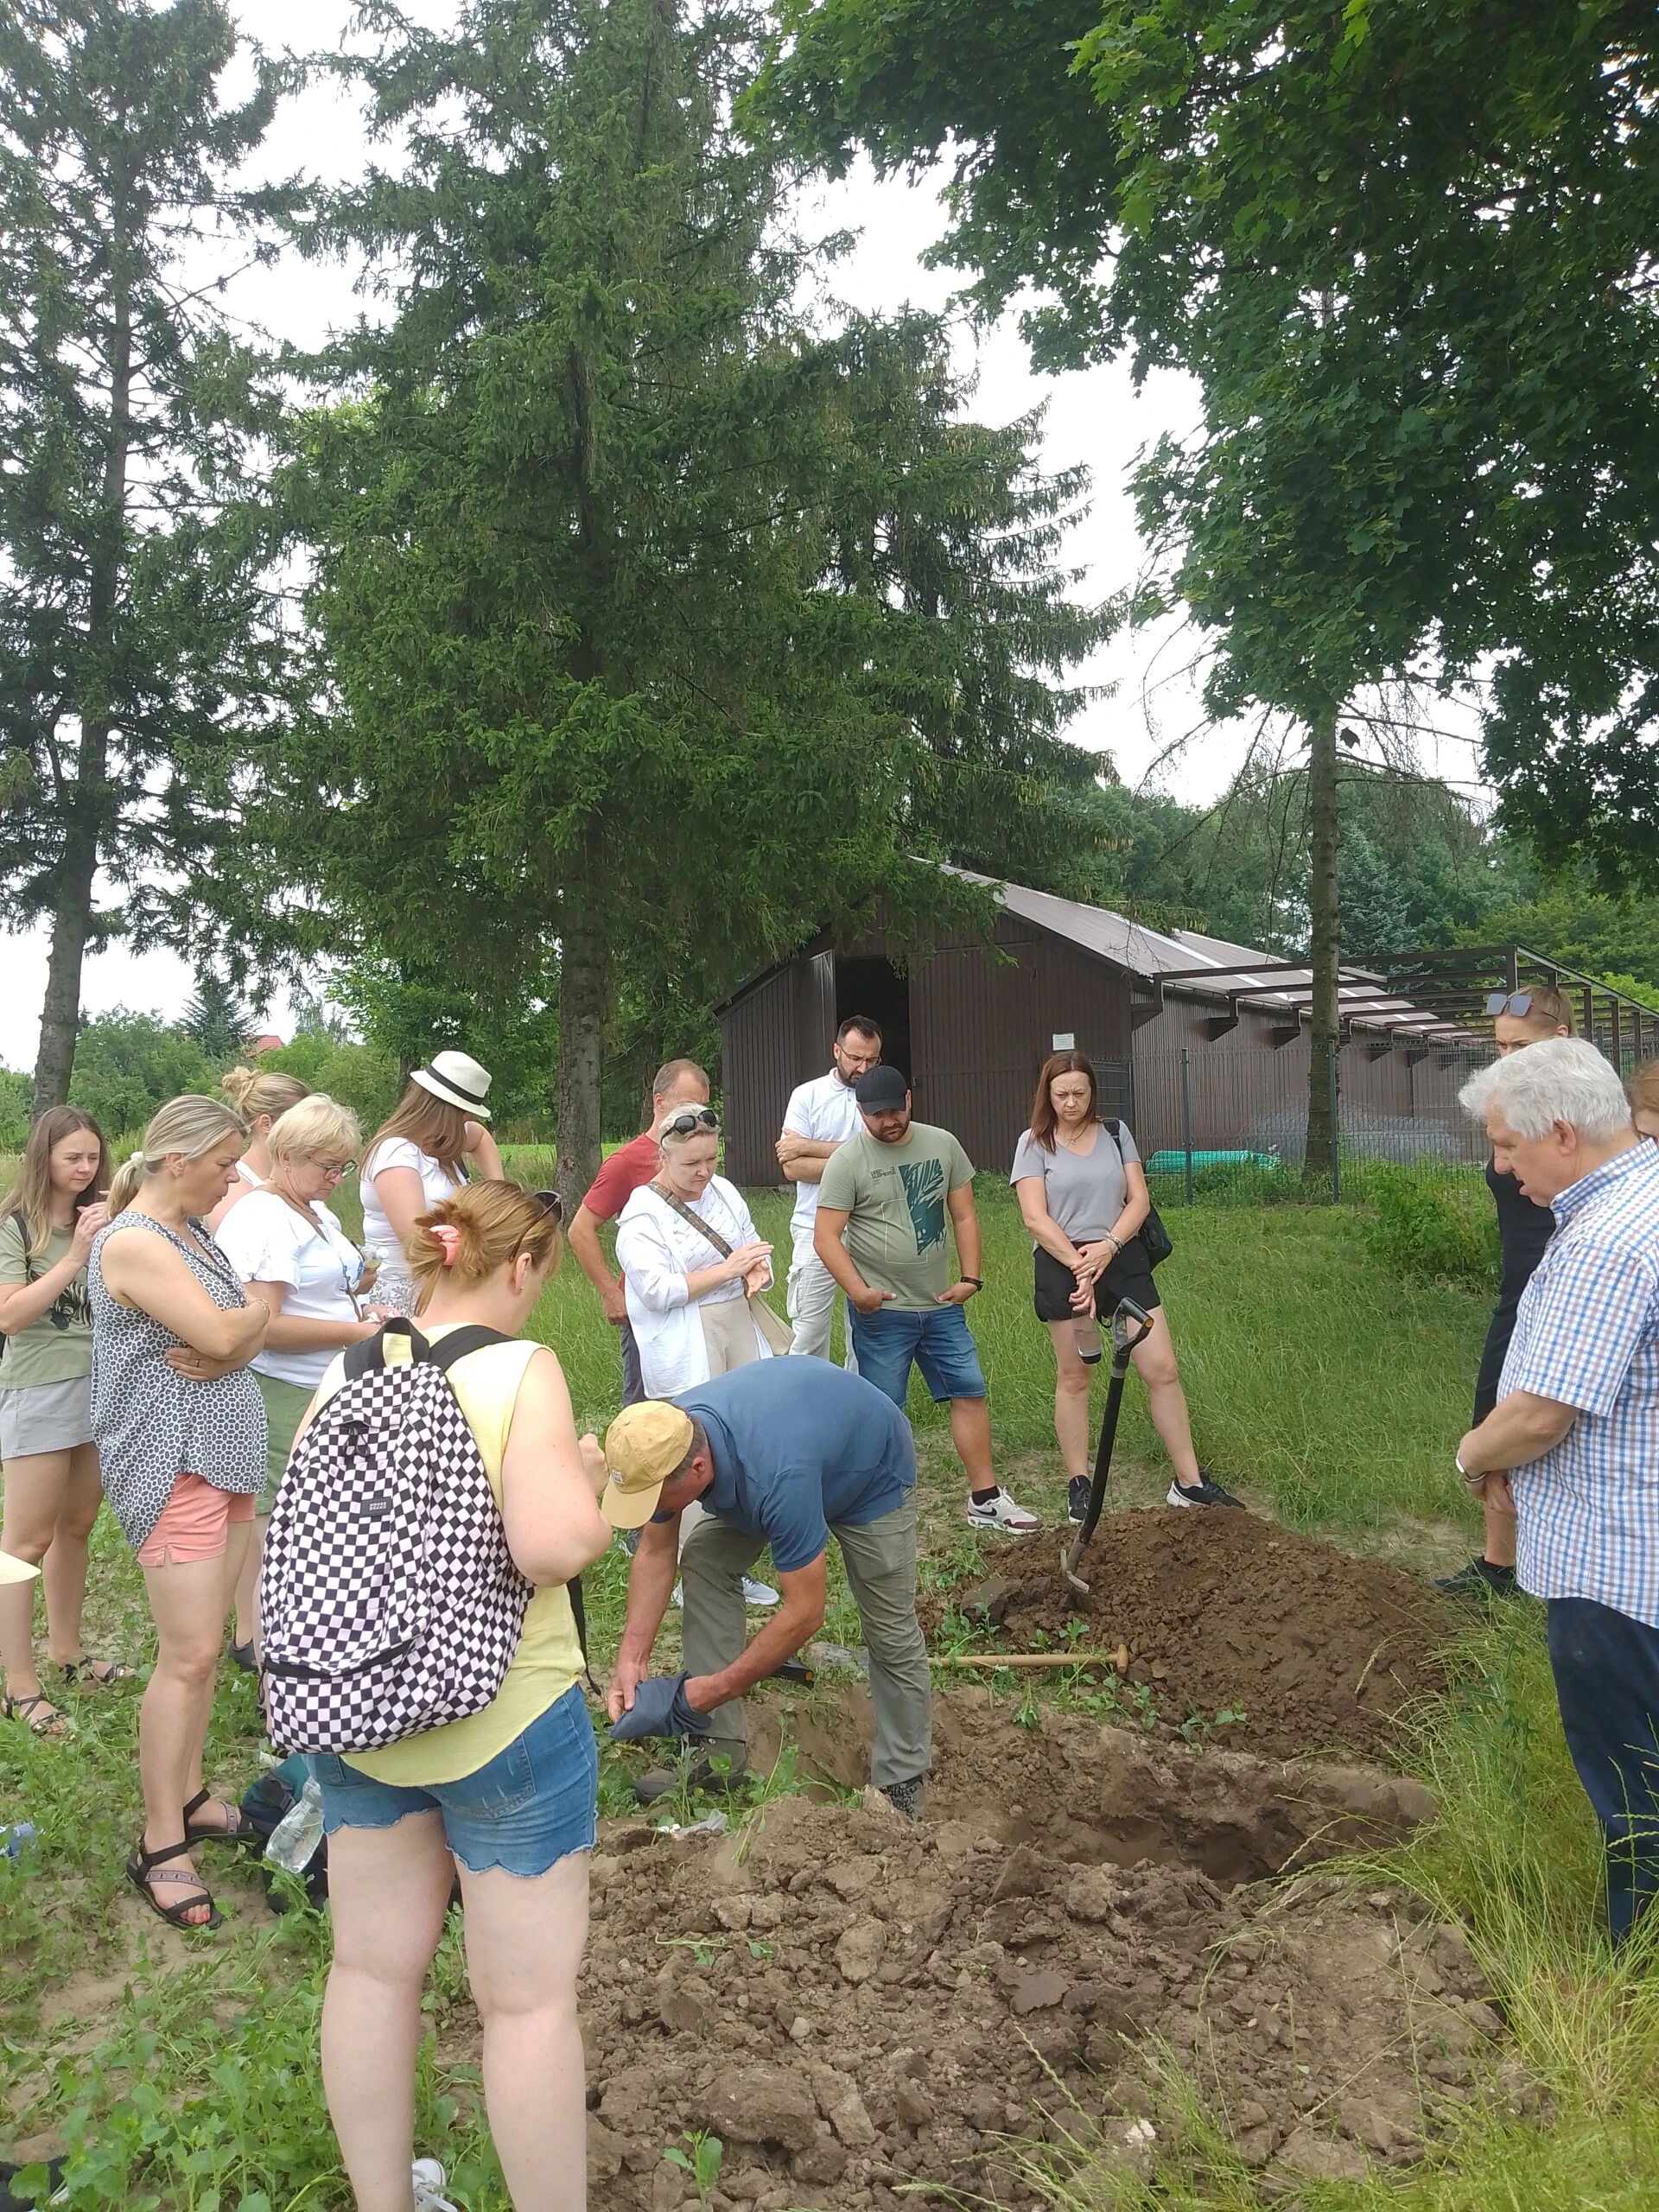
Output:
(457, 1079)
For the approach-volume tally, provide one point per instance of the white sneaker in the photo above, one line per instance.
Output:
(427, 2174)
(1000, 1511)
(758, 1593)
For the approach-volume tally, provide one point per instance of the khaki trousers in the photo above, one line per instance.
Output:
(880, 1557)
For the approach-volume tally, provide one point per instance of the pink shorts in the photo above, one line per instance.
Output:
(194, 1525)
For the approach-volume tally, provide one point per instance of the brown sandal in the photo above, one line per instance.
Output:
(146, 1867)
(237, 1827)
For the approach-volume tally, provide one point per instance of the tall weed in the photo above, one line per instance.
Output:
(1433, 1224)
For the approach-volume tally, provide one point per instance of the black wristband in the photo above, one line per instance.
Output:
(978, 1282)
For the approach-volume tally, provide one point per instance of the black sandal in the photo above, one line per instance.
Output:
(141, 1872)
(56, 1728)
(238, 1828)
(98, 1673)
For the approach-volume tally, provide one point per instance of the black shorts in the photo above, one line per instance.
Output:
(1128, 1276)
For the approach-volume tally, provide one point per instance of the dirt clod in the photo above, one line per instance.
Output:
(1223, 1611)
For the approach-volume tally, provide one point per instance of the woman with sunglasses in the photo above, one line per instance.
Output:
(506, 1798)
(1518, 1018)
(289, 1251)
(691, 1257)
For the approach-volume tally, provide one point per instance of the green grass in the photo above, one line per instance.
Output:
(181, 2072)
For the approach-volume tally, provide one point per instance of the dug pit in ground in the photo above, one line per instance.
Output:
(853, 2004)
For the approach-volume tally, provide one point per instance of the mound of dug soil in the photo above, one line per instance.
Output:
(853, 2004)
(1224, 1611)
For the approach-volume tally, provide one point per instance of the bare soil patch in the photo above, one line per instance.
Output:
(857, 2004)
(853, 2004)
(1225, 1611)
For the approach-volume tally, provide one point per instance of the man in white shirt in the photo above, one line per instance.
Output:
(820, 1116)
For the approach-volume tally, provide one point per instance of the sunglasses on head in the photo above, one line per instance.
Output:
(1519, 1003)
(688, 1120)
(551, 1203)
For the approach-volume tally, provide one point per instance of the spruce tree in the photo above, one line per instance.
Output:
(138, 641)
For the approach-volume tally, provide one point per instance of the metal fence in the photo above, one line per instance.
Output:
(1210, 1116)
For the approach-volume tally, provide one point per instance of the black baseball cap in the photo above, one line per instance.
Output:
(881, 1089)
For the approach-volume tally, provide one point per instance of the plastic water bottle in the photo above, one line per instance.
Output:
(1085, 1331)
(14, 1839)
(294, 1839)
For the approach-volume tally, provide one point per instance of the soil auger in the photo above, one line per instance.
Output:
(1130, 1323)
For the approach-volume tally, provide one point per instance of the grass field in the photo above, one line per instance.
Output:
(181, 2073)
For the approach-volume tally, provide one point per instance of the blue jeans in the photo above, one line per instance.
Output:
(530, 1805)
(938, 1341)
(1607, 1670)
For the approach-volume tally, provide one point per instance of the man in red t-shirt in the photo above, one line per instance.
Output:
(679, 1082)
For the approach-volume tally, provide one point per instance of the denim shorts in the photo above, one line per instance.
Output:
(938, 1341)
(530, 1805)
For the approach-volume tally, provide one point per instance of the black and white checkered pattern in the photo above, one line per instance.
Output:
(388, 1599)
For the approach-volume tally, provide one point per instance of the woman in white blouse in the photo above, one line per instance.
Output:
(434, 1142)
(686, 1301)
(288, 1250)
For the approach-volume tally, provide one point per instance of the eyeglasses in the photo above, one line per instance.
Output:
(1518, 1003)
(335, 1170)
(551, 1203)
(688, 1120)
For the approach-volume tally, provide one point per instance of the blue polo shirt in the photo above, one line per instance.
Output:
(799, 1446)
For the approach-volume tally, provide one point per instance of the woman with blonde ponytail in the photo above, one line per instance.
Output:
(261, 1096)
(506, 1796)
(180, 1432)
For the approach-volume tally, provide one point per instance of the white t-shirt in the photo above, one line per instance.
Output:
(265, 1241)
(826, 1112)
(435, 1181)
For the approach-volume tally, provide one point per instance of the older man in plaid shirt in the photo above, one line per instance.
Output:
(1577, 1422)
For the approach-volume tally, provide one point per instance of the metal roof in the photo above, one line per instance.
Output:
(1193, 965)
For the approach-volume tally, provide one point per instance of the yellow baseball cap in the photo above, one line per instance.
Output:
(643, 1446)
(16, 1570)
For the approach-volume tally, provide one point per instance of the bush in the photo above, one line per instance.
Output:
(362, 1077)
(15, 1091)
(1437, 1224)
(128, 1064)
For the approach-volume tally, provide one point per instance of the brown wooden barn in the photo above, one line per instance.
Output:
(1201, 1045)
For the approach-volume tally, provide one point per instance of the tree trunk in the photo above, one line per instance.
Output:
(72, 921)
(1323, 822)
(582, 1025)
(85, 808)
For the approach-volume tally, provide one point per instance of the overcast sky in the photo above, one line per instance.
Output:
(1095, 417)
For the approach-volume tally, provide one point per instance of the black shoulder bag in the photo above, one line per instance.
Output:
(1155, 1239)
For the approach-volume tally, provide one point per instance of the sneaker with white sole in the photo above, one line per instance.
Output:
(754, 1593)
(1203, 1492)
(1000, 1512)
(1078, 1491)
(427, 2176)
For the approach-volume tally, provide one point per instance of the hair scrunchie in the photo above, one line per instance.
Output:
(450, 1237)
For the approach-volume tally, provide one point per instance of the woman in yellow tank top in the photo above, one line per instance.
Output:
(507, 1796)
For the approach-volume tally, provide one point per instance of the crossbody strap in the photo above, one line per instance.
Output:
(710, 1235)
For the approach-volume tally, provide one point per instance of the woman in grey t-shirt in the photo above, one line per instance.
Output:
(1082, 1195)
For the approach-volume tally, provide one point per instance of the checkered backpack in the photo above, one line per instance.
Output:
(389, 1602)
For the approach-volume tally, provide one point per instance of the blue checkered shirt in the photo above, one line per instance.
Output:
(1587, 1335)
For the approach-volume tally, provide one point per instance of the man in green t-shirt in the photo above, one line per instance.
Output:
(888, 1200)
